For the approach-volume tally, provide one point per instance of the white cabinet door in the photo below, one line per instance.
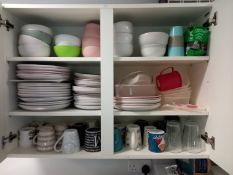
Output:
(217, 88)
(2, 110)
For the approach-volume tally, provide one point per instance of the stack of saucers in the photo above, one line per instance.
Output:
(44, 96)
(35, 41)
(42, 72)
(87, 91)
(140, 103)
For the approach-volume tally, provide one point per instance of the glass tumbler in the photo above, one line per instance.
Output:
(174, 143)
(191, 138)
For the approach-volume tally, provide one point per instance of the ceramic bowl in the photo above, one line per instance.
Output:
(92, 30)
(90, 42)
(37, 27)
(67, 51)
(38, 35)
(153, 38)
(123, 26)
(67, 40)
(155, 50)
(123, 37)
(91, 51)
(35, 50)
(123, 50)
(29, 40)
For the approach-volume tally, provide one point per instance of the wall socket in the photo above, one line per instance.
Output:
(135, 166)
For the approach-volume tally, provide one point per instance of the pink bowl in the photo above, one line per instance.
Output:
(92, 30)
(88, 41)
(91, 51)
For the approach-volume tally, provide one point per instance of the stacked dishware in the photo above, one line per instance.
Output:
(45, 139)
(91, 40)
(123, 39)
(42, 72)
(92, 140)
(140, 103)
(87, 91)
(153, 44)
(34, 41)
(42, 89)
(67, 45)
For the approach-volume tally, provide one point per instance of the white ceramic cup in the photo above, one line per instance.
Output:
(26, 135)
(70, 142)
(133, 137)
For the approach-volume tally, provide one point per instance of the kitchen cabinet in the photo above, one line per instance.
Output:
(209, 75)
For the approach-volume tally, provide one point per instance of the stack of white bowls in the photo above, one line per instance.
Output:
(153, 44)
(35, 41)
(123, 39)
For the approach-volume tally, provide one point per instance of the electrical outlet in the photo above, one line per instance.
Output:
(135, 166)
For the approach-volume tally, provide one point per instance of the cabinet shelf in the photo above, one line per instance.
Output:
(33, 153)
(161, 60)
(160, 112)
(146, 154)
(56, 59)
(64, 112)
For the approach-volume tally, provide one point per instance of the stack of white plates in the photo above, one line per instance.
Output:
(87, 91)
(44, 96)
(42, 72)
(140, 103)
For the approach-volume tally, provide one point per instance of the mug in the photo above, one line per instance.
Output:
(80, 127)
(133, 137)
(156, 141)
(92, 140)
(146, 130)
(123, 131)
(26, 135)
(70, 142)
(118, 145)
(142, 124)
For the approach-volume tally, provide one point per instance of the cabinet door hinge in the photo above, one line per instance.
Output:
(208, 140)
(6, 23)
(212, 21)
(8, 139)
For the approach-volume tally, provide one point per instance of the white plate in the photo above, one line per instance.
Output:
(86, 90)
(65, 85)
(87, 76)
(45, 99)
(44, 95)
(39, 81)
(142, 101)
(41, 77)
(137, 98)
(87, 103)
(44, 91)
(88, 107)
(87, 100)
(137, 108)
(44, 108)
(45, 103)
(87, 83)
(42, 67)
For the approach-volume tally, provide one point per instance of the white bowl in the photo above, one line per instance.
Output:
(26, 39)
(123, 50)
(123, 37)
(67, 40)
(154, 50)
(38, 28)
(35, 50)
(153, 38)
(123, 26)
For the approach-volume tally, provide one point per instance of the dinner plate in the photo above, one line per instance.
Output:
(41, 67)
(41, 77)
(138, 101)
(137, 97)
(87, 76)
(87, 100)
(66, 85)
(44, 108)
(44, 99)
(137, 108)
(87, 103)
(86, 90)
(44, 95)
(45, 103)
(87, 107)
(44, 90)
(86, 83)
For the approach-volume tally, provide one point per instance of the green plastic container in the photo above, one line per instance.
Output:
(67, 51)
